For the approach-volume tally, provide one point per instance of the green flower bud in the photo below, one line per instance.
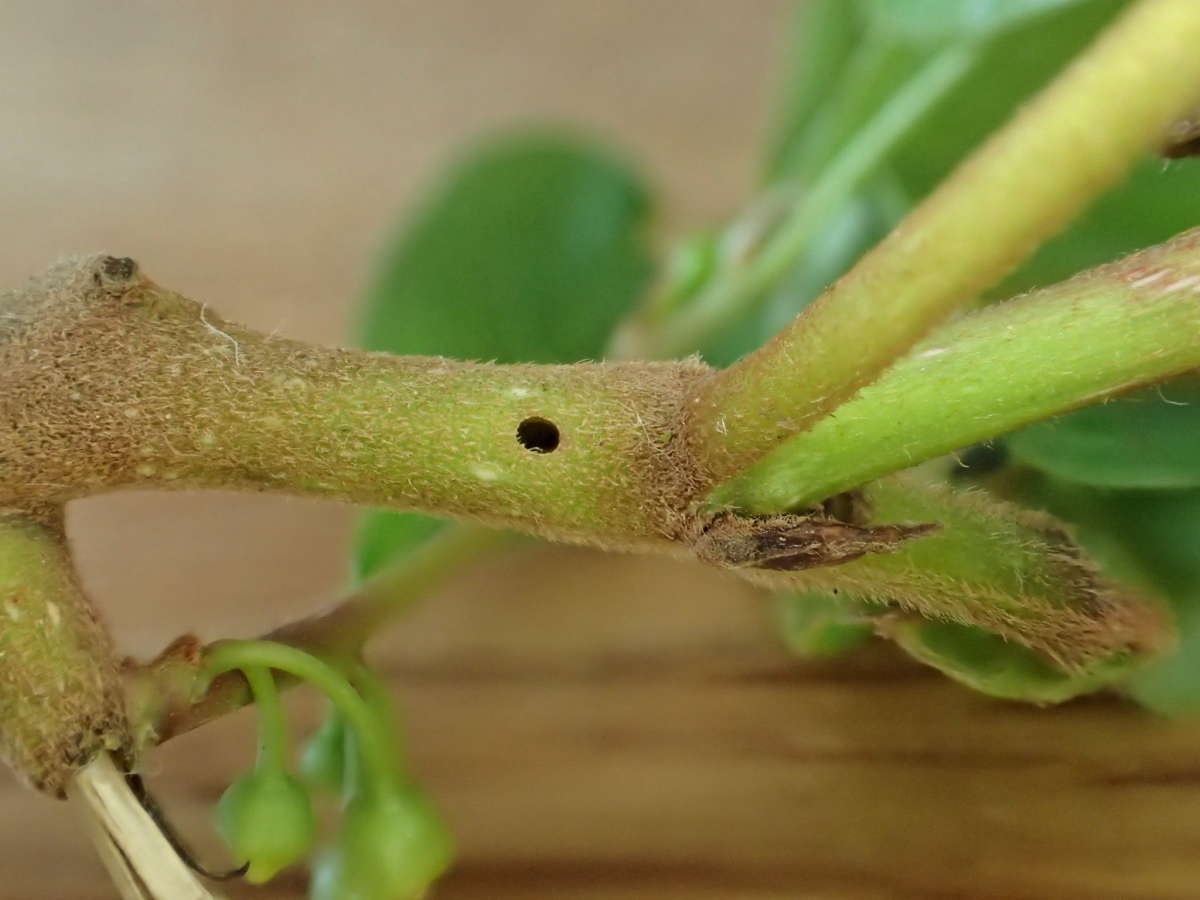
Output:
(392, 846)
(323, 762)
(267, 820)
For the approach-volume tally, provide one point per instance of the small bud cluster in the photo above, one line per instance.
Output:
(391, 843)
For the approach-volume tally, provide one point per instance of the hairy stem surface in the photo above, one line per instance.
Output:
(110, 381)
(1126, 324)
(1023, 185)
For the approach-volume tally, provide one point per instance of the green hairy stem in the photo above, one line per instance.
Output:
(1122, 325)
(1021, 186)
(995, 566)
(109, 381)
(113, 382)
(60, 692)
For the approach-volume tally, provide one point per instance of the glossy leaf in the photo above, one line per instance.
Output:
(530, 249)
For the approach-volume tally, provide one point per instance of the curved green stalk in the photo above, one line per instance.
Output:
(272, 725)
(372, 739)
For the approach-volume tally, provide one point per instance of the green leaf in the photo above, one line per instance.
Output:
(1150, 439)
(987, 663)
(1151, 540)
(1171, 685)
(929, 21)
(867, 81)
(530, 249)
(383, 535)
(854, 58)
(824, 34)
(1162, 530)
(814, 624)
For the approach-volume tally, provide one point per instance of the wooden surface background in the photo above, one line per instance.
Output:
(595, 727)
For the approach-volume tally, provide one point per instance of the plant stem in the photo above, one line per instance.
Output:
(733, 295)
(1113, 328)
(370, 736)
(272, 725)
(161, 695)
(134, 386)
(1024, 184)
(60, 691)
(995, 566)
(345, 627)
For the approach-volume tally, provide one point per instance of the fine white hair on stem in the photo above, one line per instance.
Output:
(237, 348)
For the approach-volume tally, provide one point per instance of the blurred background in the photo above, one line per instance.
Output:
(594, 727)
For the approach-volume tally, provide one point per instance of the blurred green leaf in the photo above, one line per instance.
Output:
(815, 625)
(1141, 441)
(930, 21)
(821, 41)
(382, 535)
(530, 249)
(1162, 529)
(875, 72)
(860, 224)
(989, 664)
(1171, 685)
(1150, 439)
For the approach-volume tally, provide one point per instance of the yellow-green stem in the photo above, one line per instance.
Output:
(1107, 330)
(122, 384)
(1024, 184)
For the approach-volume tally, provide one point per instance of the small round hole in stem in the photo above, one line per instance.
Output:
(538, 435)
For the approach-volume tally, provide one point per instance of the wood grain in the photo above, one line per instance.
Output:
(610, 729)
